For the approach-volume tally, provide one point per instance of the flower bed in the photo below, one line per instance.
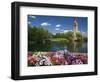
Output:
(56, 58)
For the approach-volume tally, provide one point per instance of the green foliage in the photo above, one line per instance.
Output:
(59, 35)
(38, 34)
(79, 37)
(85, 39)
(41, 35)
(69, 36)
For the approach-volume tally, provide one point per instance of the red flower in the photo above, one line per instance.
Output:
(31, 60)
(30, 54)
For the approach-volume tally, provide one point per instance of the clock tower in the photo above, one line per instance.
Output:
(75, 28)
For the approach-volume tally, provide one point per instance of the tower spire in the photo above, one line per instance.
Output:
(75, 28)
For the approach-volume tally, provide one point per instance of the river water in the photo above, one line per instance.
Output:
(54, 46)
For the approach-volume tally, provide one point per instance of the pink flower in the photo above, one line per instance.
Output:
(30, 54)
(32, 60)
(66, 63)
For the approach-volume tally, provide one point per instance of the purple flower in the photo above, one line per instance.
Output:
(77, 61)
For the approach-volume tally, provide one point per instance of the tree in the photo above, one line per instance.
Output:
(69, 36)
(79, 37)
(38, 34)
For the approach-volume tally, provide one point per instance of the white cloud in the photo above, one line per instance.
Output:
(45, 24)
(58, 25)
(34, 17)
(57, 28)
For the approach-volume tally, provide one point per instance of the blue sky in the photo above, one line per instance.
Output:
(55, 24)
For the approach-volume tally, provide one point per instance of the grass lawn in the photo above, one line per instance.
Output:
(58, 39)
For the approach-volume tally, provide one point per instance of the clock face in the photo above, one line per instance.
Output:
(75, 24)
